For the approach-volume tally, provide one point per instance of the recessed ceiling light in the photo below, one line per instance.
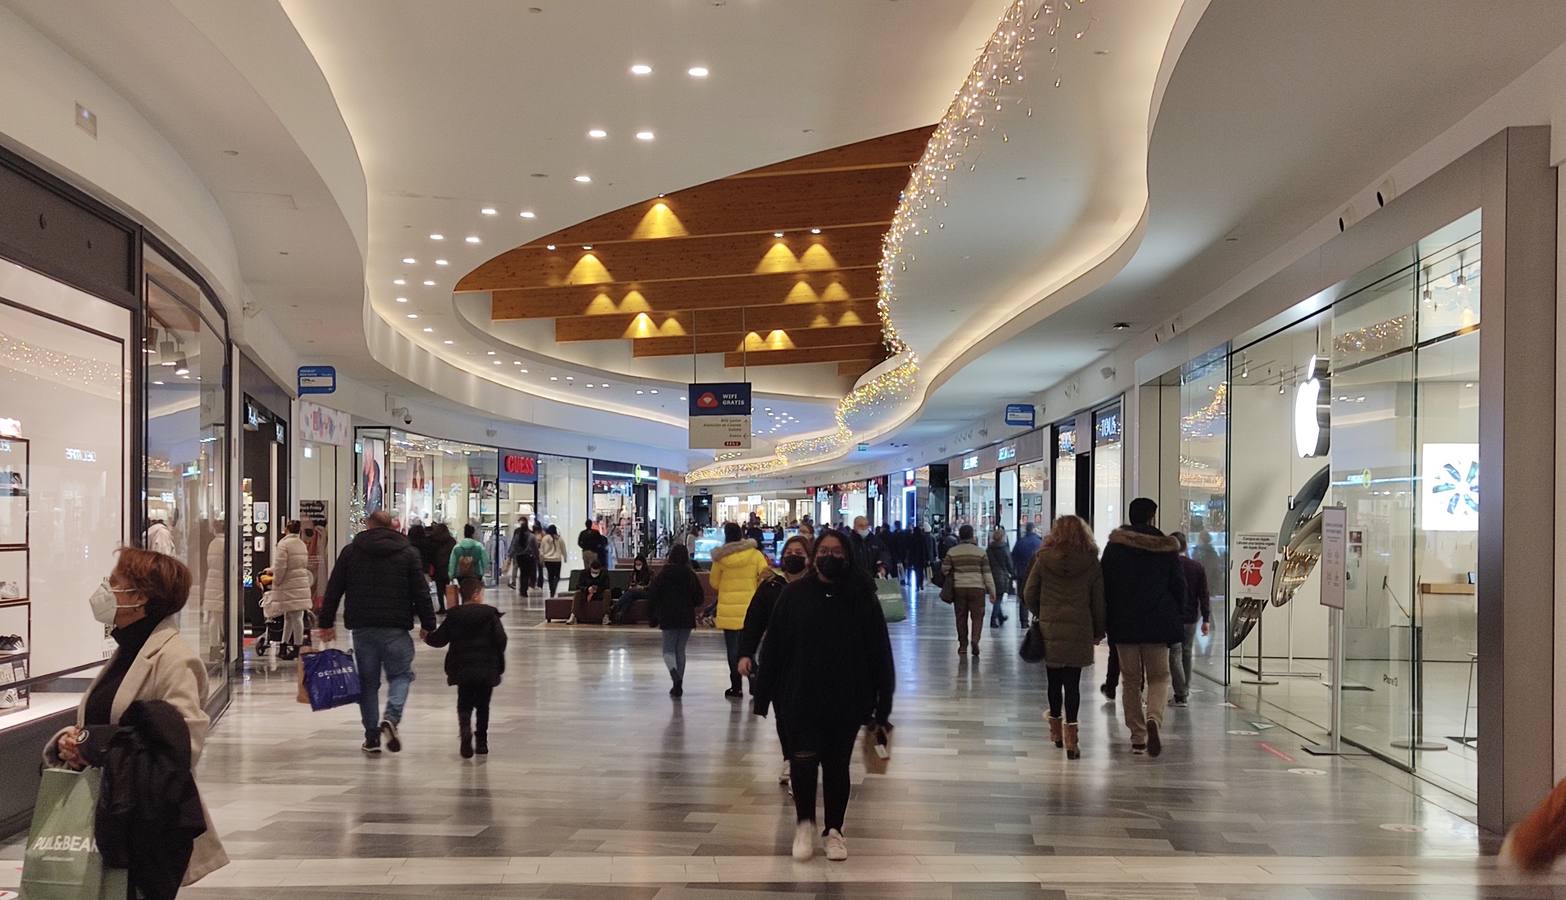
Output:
(603, 385)
(528, 214)
(644, 135)
(159, 383)
(497, 362)
(766, 409)
(402, 299)
(570, 378)
(588, 384)
(641, 69)
(554, 378)
(399, 281)
(442, 262)
(653, 391)
(549, 246)
(682, 398)
(641, 392)
(523, 371)
(429, 331)
(472, 239)
(413, 315)
(697, 72)
(516, 362)
(584, 179)
(815, 231)
(448, 343)
(597, 133)
(437, 236)
(587, 246)
(488, 211)
(489, 353)
(408, 260)
(777, 234)
(429, 283)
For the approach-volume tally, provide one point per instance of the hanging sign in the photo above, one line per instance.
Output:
(518, 468)
(1019, 415)
(1334, 556)
(719, 415)
(317, 379)
(1252, 559)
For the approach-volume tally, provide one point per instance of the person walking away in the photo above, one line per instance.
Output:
(641, 577)
(141, 601)
(539, 570)
(1021, 559)
(442, 545)
(1065, 589)
(468, 560)
(378, 582)
(593, 545)
(475, 660)
(291, 594)
(999, 554)
(969, 569)
(919, 558)
(1198, 608)
(593, 585)
(524, 557)
(1144, 592)
(422, 541)
(673, 597)
(944, 543)
(160, 538)
(552, 550)
(738, 568)
(794, 560)
(826, 665)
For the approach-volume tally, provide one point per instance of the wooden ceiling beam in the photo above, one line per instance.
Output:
(533, 267)
(874, 352)
(719, 321)
(779, 339)
(675, 296)
(855, 368)
(901, 149)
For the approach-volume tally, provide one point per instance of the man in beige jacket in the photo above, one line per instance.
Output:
(968, 567)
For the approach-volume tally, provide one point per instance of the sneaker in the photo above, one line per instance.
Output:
(389, 732)
(606, 620)
(572, 620)
(1138, 749)
(1155, 746)
(804, 841)
(836, 847)
(734, 694)
(1179, 701)
(371, 747)
(788, 774)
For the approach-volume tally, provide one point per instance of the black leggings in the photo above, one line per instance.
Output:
(1064, 684)
(554, 576)
(471, 699)
(833, 762)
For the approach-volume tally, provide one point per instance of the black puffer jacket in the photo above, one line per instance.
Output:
(1144, 588)
(478, 644)
(826, 659)
(380, 574)
(759, 615)
(674, 596)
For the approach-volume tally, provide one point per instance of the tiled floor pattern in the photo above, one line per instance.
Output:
(598, 785)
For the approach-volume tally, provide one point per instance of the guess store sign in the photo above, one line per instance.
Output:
(518, 468)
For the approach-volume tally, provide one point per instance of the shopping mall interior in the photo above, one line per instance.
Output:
(400, 273)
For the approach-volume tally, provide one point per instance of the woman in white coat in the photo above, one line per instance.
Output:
(142, 600)
(291, 595)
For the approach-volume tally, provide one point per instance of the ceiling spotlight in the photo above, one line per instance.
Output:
(815, 231)
(588, 385)
(777, 234)
(682, 398)
(489, 353)
(697, 72)
(549, 246)
(497, 362)
(158, 383)
(402, 299)
(472, 239)
(554, 378)
(488, 211)
(523, 371)
(399, 281)
(587, 246)
(1122, 326)
(597, 134)
(413, 315)
(603, 385)
(653, 391)
(437, 236)
(570, 378)
(429, 331)
(448, 343)
(528, 214)
(641, 392)
(441, 262)
(644, 135)
(429, 283)
(641, 69)
(584, 179)
(408, 260)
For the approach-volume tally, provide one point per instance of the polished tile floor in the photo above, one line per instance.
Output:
(598, 785)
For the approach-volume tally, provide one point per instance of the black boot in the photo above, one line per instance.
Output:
(678, 690)
(481, 743)
(734, 692)
(465, 732)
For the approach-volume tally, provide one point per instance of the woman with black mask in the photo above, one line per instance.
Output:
(794, 560)
(827, 666)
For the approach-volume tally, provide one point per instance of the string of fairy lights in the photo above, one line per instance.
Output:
(972, 115)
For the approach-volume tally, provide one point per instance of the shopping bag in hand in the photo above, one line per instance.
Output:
(62, 861)
(303, 694)
(889, 592)
(330, 678)
(877, 748)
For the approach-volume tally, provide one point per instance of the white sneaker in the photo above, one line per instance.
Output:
(606, 620)
(788, 774)
(804, 841)
(572, 620)
(836, 847)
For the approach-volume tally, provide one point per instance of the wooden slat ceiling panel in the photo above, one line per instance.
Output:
(694, 258)
(873, 352)
(794, 339)
(903, 148)
(855, 368)
(697, 294)
(719, 321)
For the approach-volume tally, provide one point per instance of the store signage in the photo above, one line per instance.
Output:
(317, 380)
(719, 415)
(1313, 411)
(253, 416)
(875, 488)
(1106, 429)
(10, 427)
(908, 478)
(1334, 556)
(644, 474)
(75, 455)
(1005, 453)
(282, 433)
(862, 447)
(970, 462)
(1066, 442)
(314, 511)
(246, 551)
(1253, 555)
(1019, 415)
(324, 425)
(518, 468)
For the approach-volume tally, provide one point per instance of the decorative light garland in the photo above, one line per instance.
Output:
(970, 115)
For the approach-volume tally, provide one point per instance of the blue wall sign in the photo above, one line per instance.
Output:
(1019, 415)
(317, 379)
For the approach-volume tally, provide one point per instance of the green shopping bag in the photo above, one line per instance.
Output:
(61, 861)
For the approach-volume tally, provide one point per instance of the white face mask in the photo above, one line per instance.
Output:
(104, 603)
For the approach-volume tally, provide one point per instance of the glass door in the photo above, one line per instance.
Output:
(1007, 504)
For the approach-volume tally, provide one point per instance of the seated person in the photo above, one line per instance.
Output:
(593, 585)
(641, 577)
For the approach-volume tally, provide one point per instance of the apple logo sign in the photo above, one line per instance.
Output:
(708, 400)
(1251, 571)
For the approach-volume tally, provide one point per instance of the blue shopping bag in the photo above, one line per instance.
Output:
(330, 678)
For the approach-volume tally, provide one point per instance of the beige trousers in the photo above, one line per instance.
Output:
(1139, 661)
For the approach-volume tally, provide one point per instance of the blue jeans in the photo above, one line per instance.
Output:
(375, 649)
(674, 640)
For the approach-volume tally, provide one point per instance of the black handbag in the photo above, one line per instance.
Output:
(1032, 649)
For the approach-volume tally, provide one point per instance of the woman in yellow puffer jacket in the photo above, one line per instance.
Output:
(738, 568)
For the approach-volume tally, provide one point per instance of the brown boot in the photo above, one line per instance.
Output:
(1073, 749)
(1054, 730)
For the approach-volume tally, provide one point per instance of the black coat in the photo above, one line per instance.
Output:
(759, 615)
(149, 811)
(826, 660)
(440, 555)
(381, 575)
(589, 539)
(918, 554)
(674, 596)
(1144, 587)
(478, 644)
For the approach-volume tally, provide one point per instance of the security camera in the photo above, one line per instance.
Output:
(407, 418)
(405, 412)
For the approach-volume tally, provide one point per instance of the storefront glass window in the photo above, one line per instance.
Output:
(562, 500)
(1065, 444)
(1108, 460)
(1033, 495)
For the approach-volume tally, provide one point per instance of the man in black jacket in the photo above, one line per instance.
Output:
(593, 545)
(381, 576)
(1144, 595)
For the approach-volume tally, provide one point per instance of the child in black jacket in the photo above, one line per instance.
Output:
(474, 663)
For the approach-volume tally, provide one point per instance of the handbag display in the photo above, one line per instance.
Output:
(1032, 648)
(889, 592)
(330, 678)
(62, 861)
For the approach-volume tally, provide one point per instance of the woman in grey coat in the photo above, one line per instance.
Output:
(999, 553)
(1065, 590)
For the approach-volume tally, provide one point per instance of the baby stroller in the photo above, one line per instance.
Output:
(285, 631)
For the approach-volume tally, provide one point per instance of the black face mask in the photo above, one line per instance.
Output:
(831, 567)
(793, 565)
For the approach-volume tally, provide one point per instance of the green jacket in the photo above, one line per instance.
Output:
(468, 549)
(1066, 593)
